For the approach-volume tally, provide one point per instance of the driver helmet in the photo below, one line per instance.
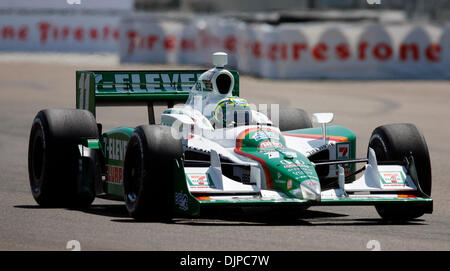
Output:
(231, 111)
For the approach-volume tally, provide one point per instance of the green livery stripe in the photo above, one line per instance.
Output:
(323, 202)
(255, 202)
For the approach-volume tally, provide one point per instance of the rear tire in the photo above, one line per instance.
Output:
(149, 172)
(393, 142)
(54, 158)
(293, 119)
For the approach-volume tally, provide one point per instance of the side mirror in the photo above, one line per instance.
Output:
(324, 119)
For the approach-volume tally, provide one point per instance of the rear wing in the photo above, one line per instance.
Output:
(116, 88)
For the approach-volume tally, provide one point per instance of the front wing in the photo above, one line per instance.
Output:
(188, 203)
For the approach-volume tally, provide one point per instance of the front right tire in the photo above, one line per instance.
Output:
(393, 142)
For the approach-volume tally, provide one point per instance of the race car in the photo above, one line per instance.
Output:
(214, 149)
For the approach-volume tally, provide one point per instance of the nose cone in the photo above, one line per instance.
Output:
(301, 178)
(310, 190)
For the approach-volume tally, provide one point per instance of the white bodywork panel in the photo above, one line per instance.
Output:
(376, 178)
(387, 178)
(309, 146)
(202, 180)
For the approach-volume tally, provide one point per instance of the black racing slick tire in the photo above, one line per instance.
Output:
(54, 157)
(293, 119)
(149, 173)
(393, 142)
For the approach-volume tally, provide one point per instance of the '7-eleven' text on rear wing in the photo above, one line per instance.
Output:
(115, 88)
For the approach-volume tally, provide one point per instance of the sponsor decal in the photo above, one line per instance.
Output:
(286, 162)
(291, 166)
(253, 136)
(145, 81)
(300, 163)
(311, 183)
(297, 172)
(343, 151)
(392, 178)
(319, 149)
(182, 201)
(295, 164)
(289, 184)
(115, 148)
(264, 135)
(269, 144)
(196, 180)
(114, 174)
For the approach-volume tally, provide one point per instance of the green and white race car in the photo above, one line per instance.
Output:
(214, 149)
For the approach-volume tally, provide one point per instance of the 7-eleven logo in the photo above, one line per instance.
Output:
(343, 151)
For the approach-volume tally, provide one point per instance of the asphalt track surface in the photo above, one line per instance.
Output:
(28, 85)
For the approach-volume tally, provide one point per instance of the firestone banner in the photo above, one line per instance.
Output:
(303, 50)
(59, 32)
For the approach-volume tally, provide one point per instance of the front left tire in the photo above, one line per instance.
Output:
(149, 173)
(54, 158)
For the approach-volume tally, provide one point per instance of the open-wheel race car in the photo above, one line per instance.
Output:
(214, 149)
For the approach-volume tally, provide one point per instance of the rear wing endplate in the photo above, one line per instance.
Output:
(116, 88)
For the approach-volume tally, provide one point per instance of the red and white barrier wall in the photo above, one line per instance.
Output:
(307, 50)
(59, 32)
(61, 25)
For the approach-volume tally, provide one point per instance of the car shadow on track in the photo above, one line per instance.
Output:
(242, 217)
(274, 217)
(283, 218)
(108, 210)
